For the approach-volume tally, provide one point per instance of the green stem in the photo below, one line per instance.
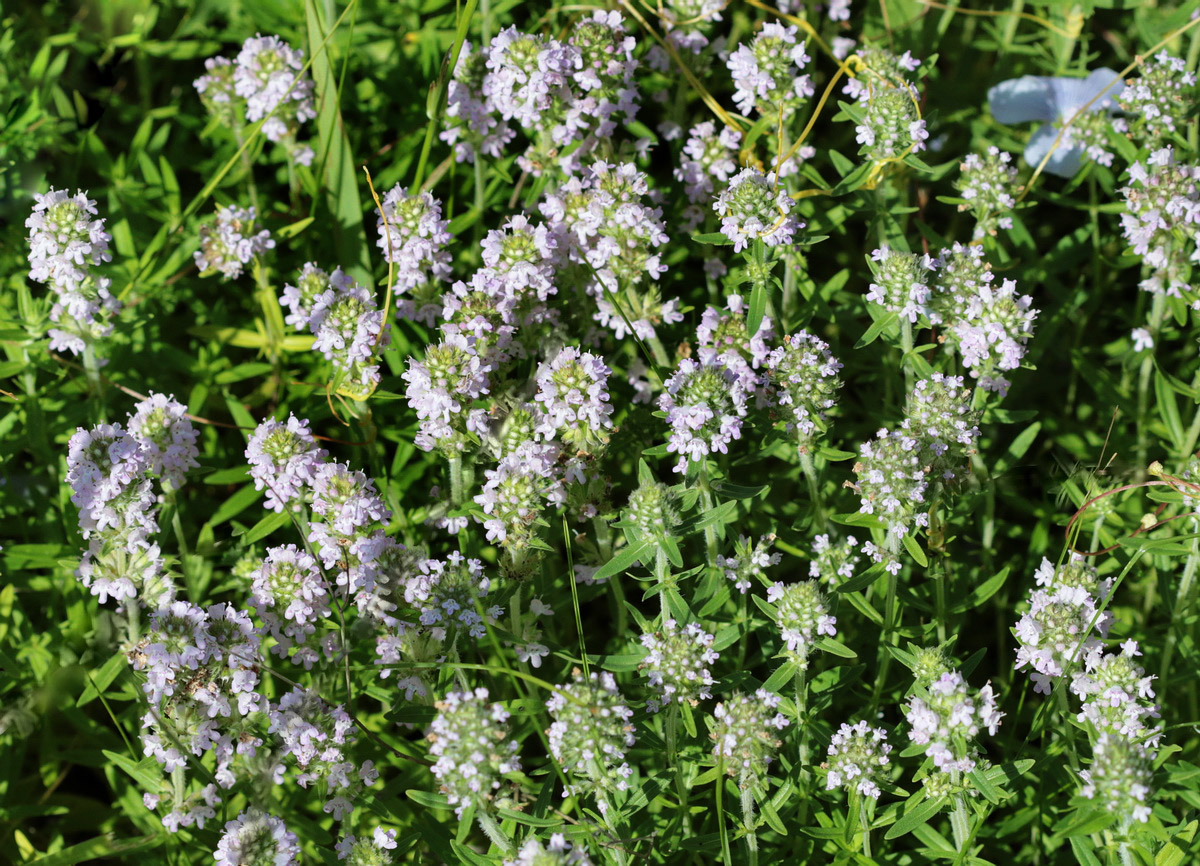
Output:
(706, 503)
(1181, 600)
(801, 683)
(672, 726)
(906, 345)
(91, 368)
(865, 824)
(814, 489)
(889, 626)
(456, 482)
(748, 820)
(1157, 308)
(604, 547)
(662, 576)
(660, 353)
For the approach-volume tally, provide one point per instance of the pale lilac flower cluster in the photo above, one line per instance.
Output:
(515, 492)
(1118, 696)
(892, 483)
(573, 400)
(65, 243)
(589, 733)
(469, 739)
(1157, 102)
(413, 236)
(609, 238)
(561, 93)
(724, 332)
(230, 241)
(653, 508)
(559, 852)
(901, 282)
(110, 471)
(987, 183)
(347, 528)
(367, 852)
(749, 562)
(265, 81)
(255, 838)
(315, 735)
(167, 437)
(201, 681)
(472, 127)
(449, 595)
(768, 73)
(1119, 779)
(989, 325)
(858, 759)
(801, 616)
(705, 401)
(833, 562)
(709, 159)
(744, 736)
(802, 381)
(284, 459)
(218, 93)
(1162, 220)
(519, 260)
(676, 664)
(441, 389)
(1060, 633)
(349, 330)
(890, 126)
(290, 597)
(945, 718)
(482, 310)
(939, 415)
(755, 207)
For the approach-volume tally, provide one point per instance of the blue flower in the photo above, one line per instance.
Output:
(1054, 101)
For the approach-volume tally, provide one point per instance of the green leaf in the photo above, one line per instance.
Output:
(1168, 409)
(145, 772)
(428, 799)
(832, 647)
(981, 593)
(624, 560)
(883, 323)
(340, 179)
(915, 818)
(914, 550)
(758, 307)
(714, 238)
(264, 527)
(100, 848)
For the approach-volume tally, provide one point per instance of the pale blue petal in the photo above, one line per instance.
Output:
(1017, 100)
(1071, 94)
(1064, 161)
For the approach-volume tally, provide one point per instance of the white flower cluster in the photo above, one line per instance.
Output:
(264, 81)
(767, 73)
(1119, 779)
(754, 206)
(230, 241)
(749, 562)
(676, 664)
(1060, 633)
(945, 718)
(987, 184)
(346, 323)
(890, 126)
(858, 759)
(801, 616)
(255, 838)
(589, 734)
(413, 236)
(469, 739)
(744, 736)
(65, 243)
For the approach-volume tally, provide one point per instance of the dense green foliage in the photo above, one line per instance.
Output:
(1090, 450)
